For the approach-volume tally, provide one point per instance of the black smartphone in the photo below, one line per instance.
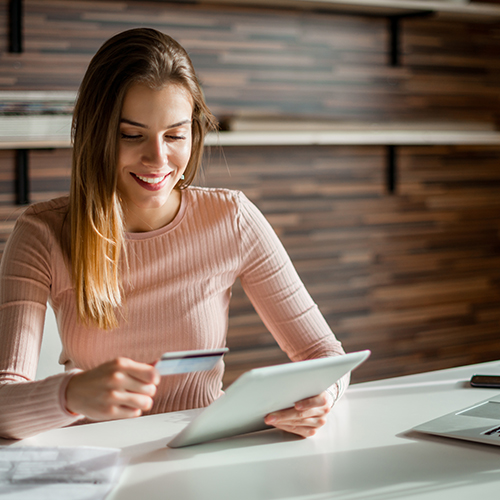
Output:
(491, 381)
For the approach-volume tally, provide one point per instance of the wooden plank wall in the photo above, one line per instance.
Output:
(413, 276)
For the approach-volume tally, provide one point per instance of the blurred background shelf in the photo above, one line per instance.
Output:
(32, 131)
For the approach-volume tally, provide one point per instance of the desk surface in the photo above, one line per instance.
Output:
(365, 451)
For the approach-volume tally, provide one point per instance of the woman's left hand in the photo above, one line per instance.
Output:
(306, 416)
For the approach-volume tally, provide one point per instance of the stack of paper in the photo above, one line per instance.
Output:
(53, 473)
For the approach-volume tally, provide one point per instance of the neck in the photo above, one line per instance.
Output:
(139, 220)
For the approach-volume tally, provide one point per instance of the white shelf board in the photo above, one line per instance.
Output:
(355, 138)
(36, 132)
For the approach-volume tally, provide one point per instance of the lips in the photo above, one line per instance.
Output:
(150, 180)
(151, 183)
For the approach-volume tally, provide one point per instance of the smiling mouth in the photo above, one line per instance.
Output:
(151, 180)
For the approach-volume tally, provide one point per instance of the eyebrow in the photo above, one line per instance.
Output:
(137, 124)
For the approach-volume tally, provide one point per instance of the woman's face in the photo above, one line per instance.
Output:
(154, 147)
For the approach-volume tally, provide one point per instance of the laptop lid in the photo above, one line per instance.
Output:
(256, 393)
(479, 422)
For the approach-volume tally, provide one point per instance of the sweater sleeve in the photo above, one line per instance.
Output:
(28, 406)
(278, 294)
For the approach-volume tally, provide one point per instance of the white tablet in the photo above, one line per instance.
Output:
(256, 393)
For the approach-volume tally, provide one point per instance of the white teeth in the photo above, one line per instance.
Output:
(150, 180)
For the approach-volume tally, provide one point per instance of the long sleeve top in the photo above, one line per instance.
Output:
(176, 285)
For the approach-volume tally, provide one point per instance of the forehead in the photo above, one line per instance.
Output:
(142, 101)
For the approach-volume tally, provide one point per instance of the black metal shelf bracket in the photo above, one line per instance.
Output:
(391, 171)
(395, 33)
(22, 179)
(16, 26)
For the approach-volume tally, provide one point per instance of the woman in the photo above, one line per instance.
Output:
(137, 262)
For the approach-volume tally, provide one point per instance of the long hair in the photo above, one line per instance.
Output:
(140, 55)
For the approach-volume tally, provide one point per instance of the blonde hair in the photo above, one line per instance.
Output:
(140, 55)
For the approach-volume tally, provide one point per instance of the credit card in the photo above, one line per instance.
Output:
(172, 363)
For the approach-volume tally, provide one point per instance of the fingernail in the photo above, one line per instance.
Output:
(271, 419)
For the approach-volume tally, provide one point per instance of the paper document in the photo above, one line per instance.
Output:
(53, 473)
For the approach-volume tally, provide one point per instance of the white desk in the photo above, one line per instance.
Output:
(363, 453)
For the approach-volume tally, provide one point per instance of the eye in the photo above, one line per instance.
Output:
(175, 137)
(129, 137)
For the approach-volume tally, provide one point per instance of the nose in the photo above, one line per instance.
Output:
(154, 153)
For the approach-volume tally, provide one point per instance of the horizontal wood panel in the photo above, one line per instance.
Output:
(388, 273)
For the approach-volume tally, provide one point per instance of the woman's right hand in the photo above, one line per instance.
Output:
(121, 388)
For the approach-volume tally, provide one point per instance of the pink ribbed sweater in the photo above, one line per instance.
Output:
(177, 289)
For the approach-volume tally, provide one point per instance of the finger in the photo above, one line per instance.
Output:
(309, 407)
(116, 380)
(119, 412)
(134, 386)
(123, 381)
(292, 415)
(115, 413)
(301, 431)
(140, 371)
(305, 427)
(311, 418)
(117, 404)
(320, 400)
(281, 416)
(132, 400)
(106, 393)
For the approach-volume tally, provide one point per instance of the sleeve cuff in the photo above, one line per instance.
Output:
(62, 393)
(338, 389)
(334, 393)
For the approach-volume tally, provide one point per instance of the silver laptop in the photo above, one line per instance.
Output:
(256, 393)
(479, 422)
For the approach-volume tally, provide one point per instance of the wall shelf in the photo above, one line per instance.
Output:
(23, 133)
(54, 131)
(357, 138)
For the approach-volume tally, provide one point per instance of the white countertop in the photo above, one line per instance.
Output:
(365, 451)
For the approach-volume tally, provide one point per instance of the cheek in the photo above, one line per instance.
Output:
(184, 153)
(121, 160)
(126, 155)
